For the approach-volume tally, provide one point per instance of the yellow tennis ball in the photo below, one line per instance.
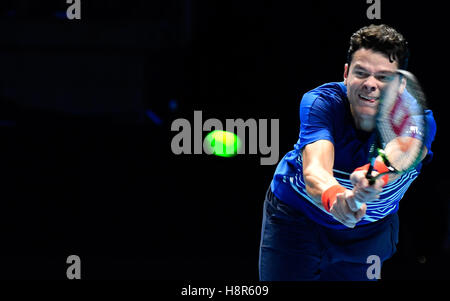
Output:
(222, 143)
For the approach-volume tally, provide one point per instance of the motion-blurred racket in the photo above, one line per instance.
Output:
(401, 126)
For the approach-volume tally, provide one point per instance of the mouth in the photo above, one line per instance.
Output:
(368, 98)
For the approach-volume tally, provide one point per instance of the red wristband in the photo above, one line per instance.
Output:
(329, 196)
(380, 167)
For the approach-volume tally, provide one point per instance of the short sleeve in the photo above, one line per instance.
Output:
(431, 133)
(316, 122)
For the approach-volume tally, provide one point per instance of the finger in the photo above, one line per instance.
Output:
(341, 204)
(336, 211)
(364, 183)
(354, 178)
(349, 214)
(365, 197)
(358, 178)
(379, 184)
(352, 208)
(347, 223)
(341, 218)
(352, 203)
(344, 210)
(361, 198)
(350, 225)
(361, 212)
(357, 206)
(342, 213)
(377, 188)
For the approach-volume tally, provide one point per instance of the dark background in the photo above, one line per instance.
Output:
(85, 112)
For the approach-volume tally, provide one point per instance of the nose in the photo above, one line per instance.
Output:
(370, 85)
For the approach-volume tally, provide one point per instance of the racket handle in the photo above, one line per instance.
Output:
(358, 204)
(369, 176)
(371, 179)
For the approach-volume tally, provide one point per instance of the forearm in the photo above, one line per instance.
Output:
(318, 180)
(399, 153)
(318, 161)
(402, 147)
(323, 188)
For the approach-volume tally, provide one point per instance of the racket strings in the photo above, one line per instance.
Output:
(401, 123)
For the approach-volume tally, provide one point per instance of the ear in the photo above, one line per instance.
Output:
(345, 73)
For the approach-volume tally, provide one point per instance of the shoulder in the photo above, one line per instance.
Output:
(431, 128)
(325, 97)
(430, 117)
(329, 92)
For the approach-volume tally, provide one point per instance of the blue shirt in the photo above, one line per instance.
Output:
(325, 115)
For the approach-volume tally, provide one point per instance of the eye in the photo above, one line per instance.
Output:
(385, 77)
(360, 73)
(382, 78)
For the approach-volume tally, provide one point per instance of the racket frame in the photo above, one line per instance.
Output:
(376, 151)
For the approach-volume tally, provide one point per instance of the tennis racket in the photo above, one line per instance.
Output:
(401, 126)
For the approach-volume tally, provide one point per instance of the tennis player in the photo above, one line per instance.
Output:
(312, 227)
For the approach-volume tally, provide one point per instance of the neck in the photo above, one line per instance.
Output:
(366, 124)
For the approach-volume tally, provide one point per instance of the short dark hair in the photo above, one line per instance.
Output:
(381, 38)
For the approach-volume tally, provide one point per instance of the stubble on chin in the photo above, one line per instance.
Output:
(366, 124)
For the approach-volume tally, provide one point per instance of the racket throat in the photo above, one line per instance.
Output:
(386, 162)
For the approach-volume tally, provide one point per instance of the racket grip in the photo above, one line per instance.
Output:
(371, 178)
(369, 172)
(358, 204)
(379, 167)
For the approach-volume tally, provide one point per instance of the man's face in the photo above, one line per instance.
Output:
(369, 72)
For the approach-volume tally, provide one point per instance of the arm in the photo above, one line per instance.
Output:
(318, 161)
(396, 148)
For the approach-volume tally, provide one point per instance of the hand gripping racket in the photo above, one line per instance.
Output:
(401, 126)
